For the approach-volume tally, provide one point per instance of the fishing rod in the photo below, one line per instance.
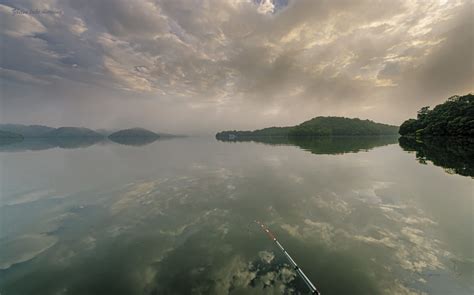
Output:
(298, 270)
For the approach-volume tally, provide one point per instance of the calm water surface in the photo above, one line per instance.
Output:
(175, 217)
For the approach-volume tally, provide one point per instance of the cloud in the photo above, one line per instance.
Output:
(24, 248)
(19, 24)
(244, 64)
(22, 77)
(78, 27)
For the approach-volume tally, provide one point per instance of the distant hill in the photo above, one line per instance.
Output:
(30, 131)
(7, 138)
(107, 132)
(455, 117)
(134, 132)
(7, 134)
(319, 126)
(339, 126)
(72, 132)
(42, 137)
(134, 136)
(26, 130)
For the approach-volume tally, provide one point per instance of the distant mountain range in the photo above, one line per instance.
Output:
(7, 134)
(40, 131)
(319, 126)
(7, 137)
(24, 137)
(26, 130)
(72, 132)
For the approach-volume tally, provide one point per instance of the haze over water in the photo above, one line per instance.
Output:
(175, 217)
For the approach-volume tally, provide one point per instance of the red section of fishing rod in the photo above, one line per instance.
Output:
(298, 270)
(266, 230)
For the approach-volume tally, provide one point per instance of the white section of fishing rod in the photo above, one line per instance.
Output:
(286, 254)
(308, 282)
(290, 259)
(298, 269)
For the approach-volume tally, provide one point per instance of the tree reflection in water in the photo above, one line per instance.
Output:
(455, 155)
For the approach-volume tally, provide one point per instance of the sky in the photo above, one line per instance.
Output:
(201, 66)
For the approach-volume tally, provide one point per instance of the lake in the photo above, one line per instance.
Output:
(175, 216)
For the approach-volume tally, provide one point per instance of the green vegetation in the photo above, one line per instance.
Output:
(319, 126)
(266, 132)
(338, 126)
(455, 117)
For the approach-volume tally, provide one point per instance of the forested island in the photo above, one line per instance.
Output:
(443, 135)
(455, 117)
(319, 126)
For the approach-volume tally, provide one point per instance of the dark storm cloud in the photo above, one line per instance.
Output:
(194, 66)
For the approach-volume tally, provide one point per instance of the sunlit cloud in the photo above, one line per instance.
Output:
(225, 61)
